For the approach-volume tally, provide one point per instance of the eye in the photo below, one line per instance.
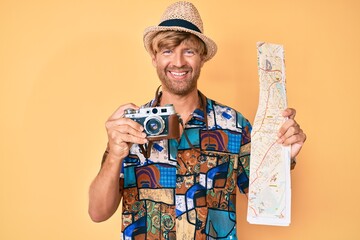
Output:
(166, 52)
(189, 52)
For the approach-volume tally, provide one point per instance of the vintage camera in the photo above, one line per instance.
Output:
(159, 122)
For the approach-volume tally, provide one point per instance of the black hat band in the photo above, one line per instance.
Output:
(179, 23)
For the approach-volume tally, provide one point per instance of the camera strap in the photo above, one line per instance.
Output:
(156, 101)
(145, 149)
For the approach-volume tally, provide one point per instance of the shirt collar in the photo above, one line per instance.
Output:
(199, 114)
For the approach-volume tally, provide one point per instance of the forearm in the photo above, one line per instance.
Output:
(104, 194)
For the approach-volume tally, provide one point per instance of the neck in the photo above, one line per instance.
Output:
(184, 105)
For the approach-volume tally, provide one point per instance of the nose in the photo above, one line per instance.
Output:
(178, 60)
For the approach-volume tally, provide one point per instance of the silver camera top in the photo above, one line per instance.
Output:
(144, 112)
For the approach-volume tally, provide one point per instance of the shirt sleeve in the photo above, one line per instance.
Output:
(244, 157)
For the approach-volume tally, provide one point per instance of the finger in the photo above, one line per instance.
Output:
(124, 122)
(293, 130)
(295, 139)
(286, 125)
(118, 138)
(126, 138)
(289, 112)
(120, 111)
(126, 129)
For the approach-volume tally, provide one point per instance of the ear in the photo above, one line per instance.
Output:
(153, 60)
(202, 62)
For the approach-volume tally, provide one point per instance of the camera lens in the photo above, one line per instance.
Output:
(154, 125)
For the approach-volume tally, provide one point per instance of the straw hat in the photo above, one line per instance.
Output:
(181, 16)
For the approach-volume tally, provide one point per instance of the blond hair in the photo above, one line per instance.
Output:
(172, 39)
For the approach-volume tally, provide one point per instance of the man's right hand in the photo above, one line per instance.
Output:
(123, 132)
(106, 190)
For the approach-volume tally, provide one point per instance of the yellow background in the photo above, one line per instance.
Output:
(66, 65)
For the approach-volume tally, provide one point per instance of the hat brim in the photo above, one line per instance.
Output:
(151, 31)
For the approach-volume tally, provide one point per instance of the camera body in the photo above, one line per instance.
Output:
(158, 122)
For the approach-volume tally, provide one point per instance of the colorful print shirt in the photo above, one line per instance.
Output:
(188, 192)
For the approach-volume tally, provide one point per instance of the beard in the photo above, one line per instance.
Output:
(179, 87)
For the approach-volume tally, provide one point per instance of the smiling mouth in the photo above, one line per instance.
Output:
(178, 74)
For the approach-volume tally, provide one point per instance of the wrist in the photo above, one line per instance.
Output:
(111, 158)
(114, 157)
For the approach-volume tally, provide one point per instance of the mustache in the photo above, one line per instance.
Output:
(179, 69)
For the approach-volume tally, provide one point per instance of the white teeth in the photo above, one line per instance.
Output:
(178, 74)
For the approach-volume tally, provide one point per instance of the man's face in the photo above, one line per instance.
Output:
(178, 68)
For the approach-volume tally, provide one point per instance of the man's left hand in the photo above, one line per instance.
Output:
(290, 133)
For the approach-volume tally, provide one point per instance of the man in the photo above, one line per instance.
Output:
(184, 188)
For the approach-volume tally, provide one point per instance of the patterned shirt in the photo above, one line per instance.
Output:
(188, 191)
